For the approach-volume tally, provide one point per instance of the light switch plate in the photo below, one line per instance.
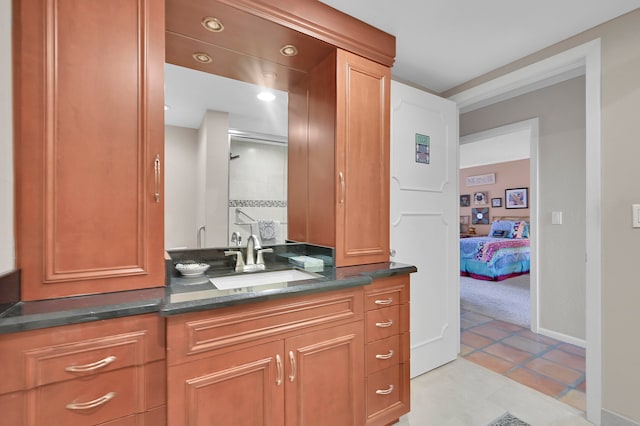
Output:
(556, 218)
(635, 208)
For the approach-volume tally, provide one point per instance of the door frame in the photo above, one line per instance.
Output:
(532, 126)
(583, 59)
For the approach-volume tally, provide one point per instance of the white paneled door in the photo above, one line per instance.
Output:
(424, 219)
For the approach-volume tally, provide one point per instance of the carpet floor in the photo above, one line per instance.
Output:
(506, 300)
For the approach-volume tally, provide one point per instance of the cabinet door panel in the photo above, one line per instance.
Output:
(235, 388)
(362, 161)
(324, 374)
(85, 162)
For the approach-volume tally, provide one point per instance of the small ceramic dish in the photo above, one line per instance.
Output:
(192, 269)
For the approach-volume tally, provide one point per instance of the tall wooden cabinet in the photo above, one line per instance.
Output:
(348, 177)
(90, 129)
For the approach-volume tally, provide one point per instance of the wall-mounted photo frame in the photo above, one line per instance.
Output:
(480, 198)
(464, 224)
(516, 198)
(496, 202)
(465, 200)
(480, 216)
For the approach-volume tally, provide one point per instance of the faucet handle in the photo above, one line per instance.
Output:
(239, 259)
(260, 259)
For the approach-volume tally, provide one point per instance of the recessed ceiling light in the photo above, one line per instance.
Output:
(212, 24)
(266, 96)
(202, 57)
(289, 50)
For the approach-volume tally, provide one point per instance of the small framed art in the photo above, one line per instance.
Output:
(516, 198)
(465, 200)
(496, 202)
(480, 198)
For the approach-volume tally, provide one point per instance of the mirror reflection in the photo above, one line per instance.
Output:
(225, 161)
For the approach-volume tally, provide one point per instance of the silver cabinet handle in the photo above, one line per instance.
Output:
(156, 172)
(342, 187)
(91, 367)
(385, 356)
(385, 391)
(384, 301)
(384, 324)
(292, 360)
(91, 404)
(279, 365)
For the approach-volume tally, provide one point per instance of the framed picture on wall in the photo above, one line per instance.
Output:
(516, 198)
(479, 216)
(480, 198)
(496, 202)
(465, 200)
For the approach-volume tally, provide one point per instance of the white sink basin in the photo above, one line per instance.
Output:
(261, 278)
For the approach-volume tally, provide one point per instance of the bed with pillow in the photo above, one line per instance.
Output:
(503, 254)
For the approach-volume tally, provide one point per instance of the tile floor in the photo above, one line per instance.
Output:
(463, 393)
(552, 367)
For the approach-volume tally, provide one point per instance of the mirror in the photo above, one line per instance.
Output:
(225, 160)
(246, 48)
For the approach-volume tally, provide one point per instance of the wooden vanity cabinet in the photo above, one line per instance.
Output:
(298, 361)
(103, 372)
(348, 179)
(387, 350)
(89, 131)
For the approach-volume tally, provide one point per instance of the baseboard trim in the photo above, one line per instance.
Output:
(563, 337)
(612, 419)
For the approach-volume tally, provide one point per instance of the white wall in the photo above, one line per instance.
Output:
(7, 250)
(180, 153)
(561, 161)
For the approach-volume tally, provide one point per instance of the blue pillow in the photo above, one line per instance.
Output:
(508, 226)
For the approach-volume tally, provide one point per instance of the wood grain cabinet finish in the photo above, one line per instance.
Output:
(349, 144)
(302, 369)
(86, 374)
(89, 126)
(388, 351)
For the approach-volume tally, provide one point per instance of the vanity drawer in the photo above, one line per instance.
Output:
(82, 359)
(387, 292)
(383, 354)
(383, 323)
(385, 389)
(92, 400)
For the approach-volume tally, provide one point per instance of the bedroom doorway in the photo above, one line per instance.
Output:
(493, 163)
(580, 60)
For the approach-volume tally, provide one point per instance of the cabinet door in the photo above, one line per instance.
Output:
(362, 161)
(244, 387)
(324, 375)
(89, 145)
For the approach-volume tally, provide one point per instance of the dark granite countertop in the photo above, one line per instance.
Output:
(183, 295)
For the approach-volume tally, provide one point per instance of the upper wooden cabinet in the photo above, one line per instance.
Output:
(348, 151)
(89, 145)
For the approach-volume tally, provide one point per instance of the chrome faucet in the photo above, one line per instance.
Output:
(253, 243)
(254, 259)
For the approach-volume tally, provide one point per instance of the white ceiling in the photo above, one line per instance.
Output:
(444, 43)
(440, 44)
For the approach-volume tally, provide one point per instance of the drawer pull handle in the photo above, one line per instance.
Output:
(292, 360)
(385, 356)
(385, 391)
(91, 404)
(384, 324)
(384, 301)
(91, 367)
(157, 176)
(279, 365)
